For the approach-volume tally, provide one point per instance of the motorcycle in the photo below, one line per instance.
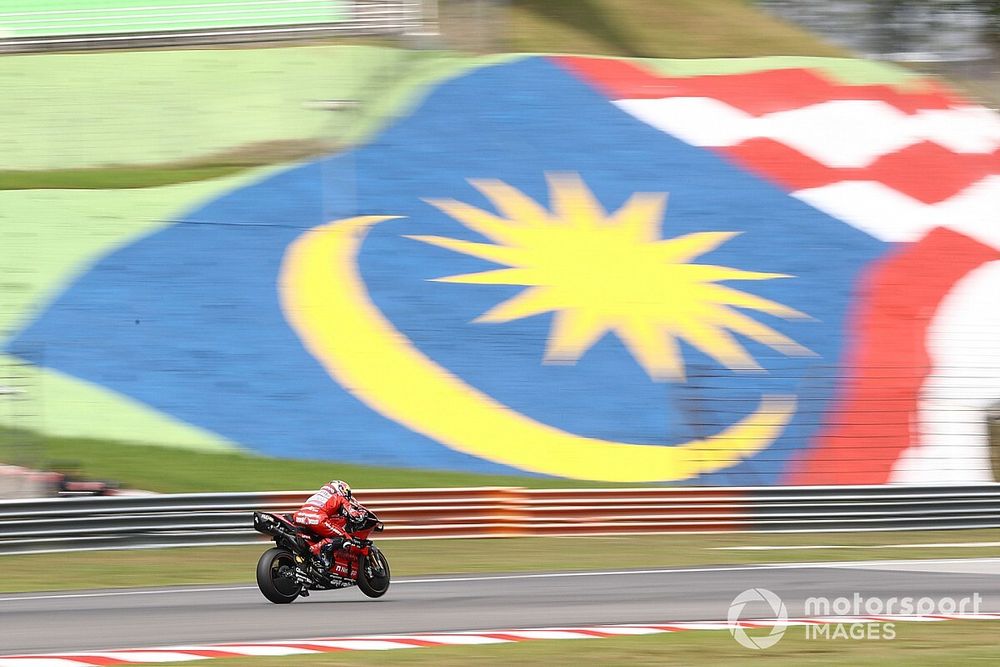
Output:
(288, 571)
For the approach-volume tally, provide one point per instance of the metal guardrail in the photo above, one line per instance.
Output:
(203, 519)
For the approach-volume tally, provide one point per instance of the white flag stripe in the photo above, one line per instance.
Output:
(953, 436)
(700, 121)
(839, 133)
(890, 215)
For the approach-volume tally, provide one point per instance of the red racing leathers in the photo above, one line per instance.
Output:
(325, 513)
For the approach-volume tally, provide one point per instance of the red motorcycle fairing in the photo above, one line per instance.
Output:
(346, 562)
(342, 567)
(287, 571)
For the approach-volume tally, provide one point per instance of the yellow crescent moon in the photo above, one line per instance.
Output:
(326, 302)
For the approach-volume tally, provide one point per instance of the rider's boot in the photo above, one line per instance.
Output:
(323, 555)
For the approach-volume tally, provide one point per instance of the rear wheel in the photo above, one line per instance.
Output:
(276, 576)
(373, 579)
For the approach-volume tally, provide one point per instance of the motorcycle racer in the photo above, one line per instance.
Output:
(326, 514)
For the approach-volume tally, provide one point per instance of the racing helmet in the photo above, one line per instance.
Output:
(341, 487)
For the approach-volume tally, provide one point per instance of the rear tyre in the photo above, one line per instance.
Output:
(276, 576)
(373, 579)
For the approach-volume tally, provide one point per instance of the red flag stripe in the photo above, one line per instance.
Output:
(752, 92)
(888, 363)
(925, 171)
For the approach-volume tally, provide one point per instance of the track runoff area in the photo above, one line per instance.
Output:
(757, 605)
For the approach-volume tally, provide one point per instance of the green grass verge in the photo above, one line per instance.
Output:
(226, 565)
(174, 470)
(165, 106)
(945, 643)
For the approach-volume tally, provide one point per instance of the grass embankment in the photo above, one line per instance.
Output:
(228, 565)
(639, 28)
(632, 28)
(946, 643)
(174, 470)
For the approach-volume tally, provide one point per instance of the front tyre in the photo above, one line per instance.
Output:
(373, 578)
(276, 576)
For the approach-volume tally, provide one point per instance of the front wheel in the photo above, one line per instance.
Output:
(276, 576)
(373, 578)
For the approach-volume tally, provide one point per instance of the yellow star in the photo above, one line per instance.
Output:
(603, 273)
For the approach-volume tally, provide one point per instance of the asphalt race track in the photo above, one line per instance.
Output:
(50, 622)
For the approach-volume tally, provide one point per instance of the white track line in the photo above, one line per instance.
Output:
(544, 575)
(930, 545)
